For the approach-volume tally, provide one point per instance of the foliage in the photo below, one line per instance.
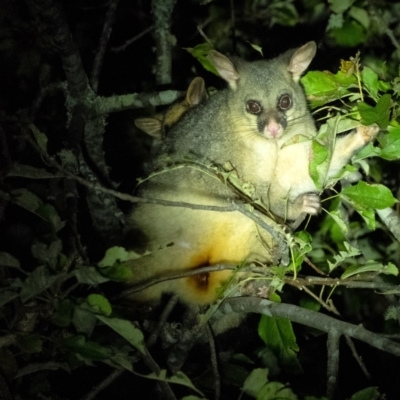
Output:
(57, 312)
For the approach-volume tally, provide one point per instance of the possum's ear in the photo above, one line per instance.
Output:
(301, 59)
(225, 67)
(151, 126)
(196, 92)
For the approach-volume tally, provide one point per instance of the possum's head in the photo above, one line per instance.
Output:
(266, 96)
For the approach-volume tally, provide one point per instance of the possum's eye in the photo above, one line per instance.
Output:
(285, 102)
(253, 107)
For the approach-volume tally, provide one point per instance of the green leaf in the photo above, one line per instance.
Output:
(83, 319)
(368, 151)
(385, 86)
(255, 381)
(41, 138)
(361, 16)
(233, 374)
(28, 200)
(368, 216)
(322, 86)
(343, 256)
(345, 124)
(89, 275)
(335, 21)
(277, 334)
(200, 52)
(179, 378)
(336, 125)
(122, 360)
(370, 266)
(283, 13)
(27, 171)
(36, 367)
(7, 260)
(49, 213)
(391, 313)
(340, 6)
(115, 255)
(38, 281)
(31, 343)
(371, 393)
(119, 273)
(87, 349)
(344, 173)
(127, 330)
(303, 240)
(65, 310)
(191, 397)
(7, 296)
(182, 379)
(390, 144)
(115, 264)
(370, 80)
(351, 34)
(337, 217)
(378, 114)
(364, 195)
(100, 304)
(256, 48)
(47, 253)
(315, 398)
(310, 304)
(317, 167)
(276, 390)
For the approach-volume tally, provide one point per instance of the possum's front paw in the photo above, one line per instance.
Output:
(309, 203)
(367, 133)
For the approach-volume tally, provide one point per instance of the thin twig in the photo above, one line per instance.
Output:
(103, 384)
(166, 388)
(105, 35)
(130, 41)
(214, 361)
(314, 267)
(357, 357)
(161, 322)
(175, 275)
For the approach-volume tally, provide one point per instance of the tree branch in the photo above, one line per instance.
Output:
(106, 105)
(105, 35)
(352, 282)
(309, 318)
(333, 362)
(51, 15)
(162, 11)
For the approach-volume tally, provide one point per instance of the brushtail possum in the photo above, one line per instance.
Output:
(245, 125)
(159, 125)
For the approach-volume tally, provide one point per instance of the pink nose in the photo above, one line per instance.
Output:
(274, 129)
